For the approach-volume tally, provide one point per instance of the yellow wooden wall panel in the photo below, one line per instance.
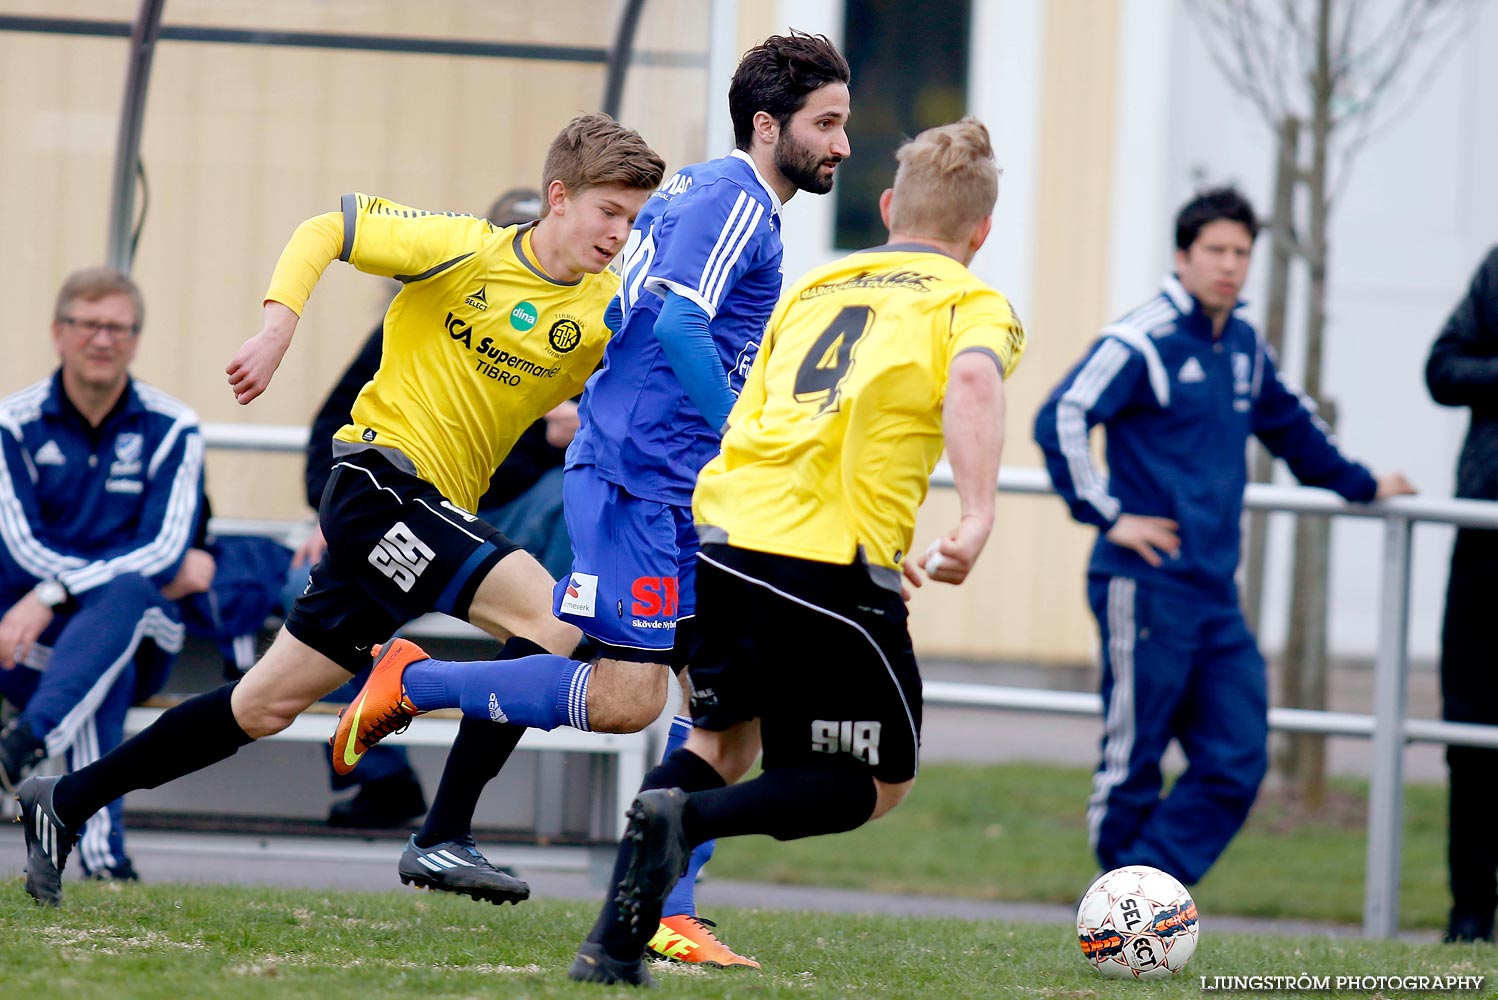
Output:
(1026, 600)
(242, 142)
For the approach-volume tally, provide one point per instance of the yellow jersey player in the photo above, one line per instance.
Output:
(868, 367)
(492, 329)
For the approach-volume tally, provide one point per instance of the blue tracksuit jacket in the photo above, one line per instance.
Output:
(110, 512)
(1179, 407)
(83, 505)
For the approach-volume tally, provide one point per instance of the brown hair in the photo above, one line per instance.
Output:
(594, 149)
(94, 283)
(946, 183)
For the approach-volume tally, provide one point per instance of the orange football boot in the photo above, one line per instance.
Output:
(688, 938)
(381, 707)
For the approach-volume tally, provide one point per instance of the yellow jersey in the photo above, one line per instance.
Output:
(478, 344)
(832, 443)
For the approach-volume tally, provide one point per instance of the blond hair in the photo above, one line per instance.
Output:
(94, 283)
(593, 149)
(947, 182)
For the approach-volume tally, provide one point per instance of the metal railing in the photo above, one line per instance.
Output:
(1388, 726)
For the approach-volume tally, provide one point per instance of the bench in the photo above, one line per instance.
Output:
(616, 762)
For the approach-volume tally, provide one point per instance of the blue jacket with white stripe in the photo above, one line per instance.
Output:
(710, 234)
(82, 505)
(1178, 406)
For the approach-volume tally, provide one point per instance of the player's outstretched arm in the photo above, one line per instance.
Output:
(258, 358)
(314, 245)
(973, 429)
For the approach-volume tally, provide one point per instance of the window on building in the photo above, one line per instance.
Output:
(910, 67)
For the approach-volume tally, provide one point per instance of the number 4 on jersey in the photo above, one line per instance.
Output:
(828, 362)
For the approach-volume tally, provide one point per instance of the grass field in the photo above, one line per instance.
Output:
(207, 941)
(1001, 833)
(1017, 832)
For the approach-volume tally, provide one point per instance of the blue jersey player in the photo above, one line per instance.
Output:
(701, 274)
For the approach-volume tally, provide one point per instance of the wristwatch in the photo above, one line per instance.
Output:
(51, 593)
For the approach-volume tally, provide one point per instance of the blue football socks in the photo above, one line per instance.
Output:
(541, 692)
(683, 898)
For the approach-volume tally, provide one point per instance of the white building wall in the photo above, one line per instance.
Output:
(1416, 215)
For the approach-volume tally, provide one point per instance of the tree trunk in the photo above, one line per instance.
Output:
(1307, 647)
(1286, 177)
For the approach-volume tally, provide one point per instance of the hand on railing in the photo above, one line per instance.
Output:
(1393, 484)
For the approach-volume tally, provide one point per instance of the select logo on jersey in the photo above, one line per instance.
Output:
(523, 316)
(654, 597)
(401, 556)
(479, 299)
(861, 739)
(564, 336)
(1191, 371)
(581, 598)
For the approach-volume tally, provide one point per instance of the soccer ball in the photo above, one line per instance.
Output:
(1137, 923)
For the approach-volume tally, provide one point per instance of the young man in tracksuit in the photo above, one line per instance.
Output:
(1180, 383)
(101, 478)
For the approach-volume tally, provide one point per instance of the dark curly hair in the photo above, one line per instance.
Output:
(776, 75)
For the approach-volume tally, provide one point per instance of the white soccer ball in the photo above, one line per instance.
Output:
(1137, 923)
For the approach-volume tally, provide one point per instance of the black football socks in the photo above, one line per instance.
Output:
(187, 738)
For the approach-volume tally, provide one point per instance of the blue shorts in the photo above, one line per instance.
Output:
(634, 568)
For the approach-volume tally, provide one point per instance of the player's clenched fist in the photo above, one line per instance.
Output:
(258, 358)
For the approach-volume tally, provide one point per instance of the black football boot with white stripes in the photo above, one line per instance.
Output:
(458, 866)
(48, 842)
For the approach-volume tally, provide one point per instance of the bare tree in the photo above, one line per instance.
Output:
(1325, 76)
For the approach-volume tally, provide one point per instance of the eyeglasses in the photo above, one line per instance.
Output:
(91, 327)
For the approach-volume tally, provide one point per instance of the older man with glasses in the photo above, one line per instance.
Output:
(101, 480)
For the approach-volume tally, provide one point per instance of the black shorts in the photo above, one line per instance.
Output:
(397, 549)
(819, 653)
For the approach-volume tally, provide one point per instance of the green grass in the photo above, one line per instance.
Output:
(195, 942)
(1017, 832)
